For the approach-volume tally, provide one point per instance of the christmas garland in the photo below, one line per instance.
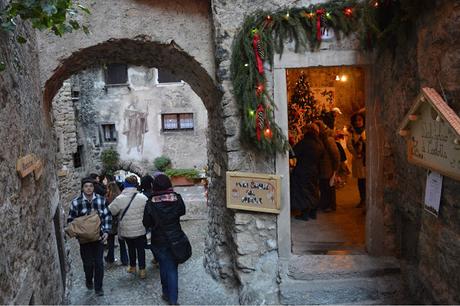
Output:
(265, 33)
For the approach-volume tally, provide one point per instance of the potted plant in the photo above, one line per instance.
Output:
(110, 159)
(162, 163)
(183, 177)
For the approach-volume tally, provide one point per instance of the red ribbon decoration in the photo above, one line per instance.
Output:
(260, 118)
(319, 13)
(259, 62)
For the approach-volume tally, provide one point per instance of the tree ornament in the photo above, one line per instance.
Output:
(260, 89)
(348, 11)
(261, 50)
(268, 133)
(260, 120)
(268, 22)
(255, 46)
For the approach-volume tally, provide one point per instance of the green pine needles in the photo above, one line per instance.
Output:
(265, 33)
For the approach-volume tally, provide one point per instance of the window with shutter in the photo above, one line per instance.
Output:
(116, 74)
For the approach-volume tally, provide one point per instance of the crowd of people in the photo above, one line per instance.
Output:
(321, 166)
(130, 211)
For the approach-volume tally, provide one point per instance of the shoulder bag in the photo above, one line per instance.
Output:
(181, 248)
(86, 228)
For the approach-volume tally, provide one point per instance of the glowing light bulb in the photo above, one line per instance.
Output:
(251, 112)
(268, 133)
(337, 78)
(245, 65)
(344, 78)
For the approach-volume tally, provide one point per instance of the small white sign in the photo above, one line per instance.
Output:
(433, 192)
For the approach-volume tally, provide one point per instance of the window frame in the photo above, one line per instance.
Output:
(163, 129)
(113, 133)
(158, 83)
(106, 75)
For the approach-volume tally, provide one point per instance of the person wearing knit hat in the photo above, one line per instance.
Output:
(129, 206)
(161, 183)
(162, 216)
(92, 253)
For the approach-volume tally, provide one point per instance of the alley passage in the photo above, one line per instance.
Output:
(196, 287)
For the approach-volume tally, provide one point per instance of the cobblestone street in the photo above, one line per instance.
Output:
(196, 287)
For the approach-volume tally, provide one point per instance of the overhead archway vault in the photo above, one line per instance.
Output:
(139, 51)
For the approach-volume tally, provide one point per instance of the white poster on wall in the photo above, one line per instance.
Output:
(433, 192)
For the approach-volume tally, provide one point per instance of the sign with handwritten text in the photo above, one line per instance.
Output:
(433, 144)
(253, 191)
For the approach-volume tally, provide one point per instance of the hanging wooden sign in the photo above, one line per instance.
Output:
(253, 191)
(432, 130)
(25, 165)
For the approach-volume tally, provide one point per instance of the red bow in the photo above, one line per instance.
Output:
(319, 13)
(259, 62)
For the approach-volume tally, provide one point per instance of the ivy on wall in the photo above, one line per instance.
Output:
(264, 33)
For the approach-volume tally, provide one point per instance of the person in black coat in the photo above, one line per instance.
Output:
(304, 182)
(162, 216)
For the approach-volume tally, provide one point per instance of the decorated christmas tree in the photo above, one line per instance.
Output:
(303, 108)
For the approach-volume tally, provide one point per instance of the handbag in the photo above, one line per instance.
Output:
(86, 228)
(181, 248)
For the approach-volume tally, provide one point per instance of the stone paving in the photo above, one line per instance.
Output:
(196, 287)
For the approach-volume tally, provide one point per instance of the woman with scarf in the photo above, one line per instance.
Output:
(162, 216)
(357, 146)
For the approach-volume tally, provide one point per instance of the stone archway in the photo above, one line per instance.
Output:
(141, 51)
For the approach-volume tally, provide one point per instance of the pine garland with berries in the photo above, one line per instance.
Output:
(264, 33)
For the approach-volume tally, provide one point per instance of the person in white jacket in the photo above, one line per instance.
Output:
(130, 226)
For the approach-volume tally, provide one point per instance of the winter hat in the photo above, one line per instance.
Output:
(161, 182)
(130, 181)
(87, 180)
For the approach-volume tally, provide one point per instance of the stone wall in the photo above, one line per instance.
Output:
(429, 246)
(30, 269)
(65, 129)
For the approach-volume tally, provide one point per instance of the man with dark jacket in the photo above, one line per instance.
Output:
(92, 253)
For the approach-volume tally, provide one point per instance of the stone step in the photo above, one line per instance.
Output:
(375, 291)
(325, 267)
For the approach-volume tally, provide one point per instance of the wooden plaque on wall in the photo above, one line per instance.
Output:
(432, 131)
(253, 191)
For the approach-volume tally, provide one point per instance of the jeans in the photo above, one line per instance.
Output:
(136, 246)
(92, 256)
(168, 272)
(111, 251)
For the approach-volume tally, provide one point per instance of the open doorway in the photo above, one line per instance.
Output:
(329, 96)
